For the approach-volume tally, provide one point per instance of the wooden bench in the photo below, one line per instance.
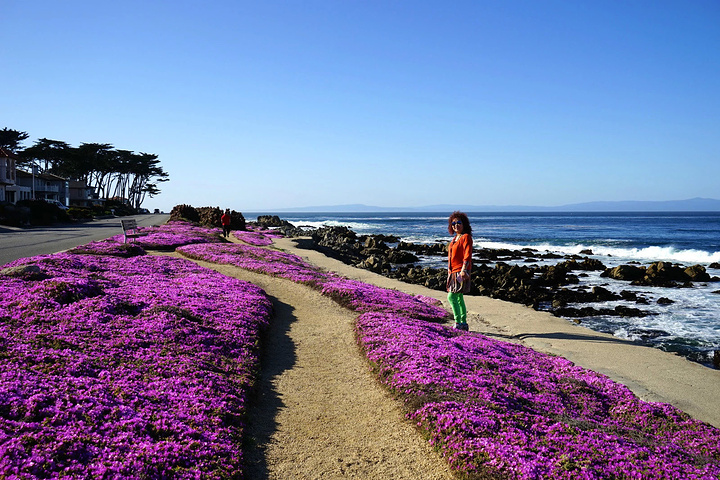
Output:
(130, 229)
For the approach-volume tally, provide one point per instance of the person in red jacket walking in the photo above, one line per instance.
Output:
(225, 220)
(459, 265)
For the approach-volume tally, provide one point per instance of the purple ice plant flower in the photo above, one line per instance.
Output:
(353, 294)
(172, 235)
(363, 297)
(254, 238)
(256, 259)
(500, 409)
(264, 231)
(125, 368)
(109, 247)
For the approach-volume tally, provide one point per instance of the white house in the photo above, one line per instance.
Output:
(10, 191)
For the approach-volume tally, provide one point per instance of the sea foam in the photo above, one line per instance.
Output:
(648, 254)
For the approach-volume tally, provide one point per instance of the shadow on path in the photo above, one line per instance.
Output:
(575, 337)
(278, 355)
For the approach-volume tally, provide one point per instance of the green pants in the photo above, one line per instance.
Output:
(457, 303)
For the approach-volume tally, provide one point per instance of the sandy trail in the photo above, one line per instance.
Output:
(319, 412)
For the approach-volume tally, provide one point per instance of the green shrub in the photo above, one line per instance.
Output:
(81, 213)
(14, 215)
(44, 213)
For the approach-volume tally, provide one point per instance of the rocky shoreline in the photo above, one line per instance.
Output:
(510, 275)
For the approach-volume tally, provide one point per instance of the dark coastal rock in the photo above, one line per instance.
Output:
(664, 271)
(206, 216)
(619, 311)
(281, 226)
(697, 273)
(386, 238)
(374, 243)
(433, 278)
(271, 221)
(633, 297)
(629, 296)
(659, 274)
(439, 248)
(597, 294)
(375, 264)
(715, 265)
(624, 272)
(646, 334)
(588, 264)
(368, 251)
(664, 301)
(340, 243)
(600, 294)
(401, 257)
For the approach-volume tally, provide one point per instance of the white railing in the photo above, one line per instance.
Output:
(46, 188)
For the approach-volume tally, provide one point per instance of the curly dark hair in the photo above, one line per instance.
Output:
(463, 218)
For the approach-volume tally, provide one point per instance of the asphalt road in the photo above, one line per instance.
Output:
(28, 242)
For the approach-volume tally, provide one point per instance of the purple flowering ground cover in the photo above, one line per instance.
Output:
(172, 235)
(497, 409)
(264, 231)
(501, 410)
(256, 259)
(132, 367)
(112, 248)
(357, 296)
(253, 238)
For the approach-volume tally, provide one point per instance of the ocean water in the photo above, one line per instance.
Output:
(690, 326)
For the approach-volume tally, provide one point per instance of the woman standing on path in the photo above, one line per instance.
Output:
(459, 264)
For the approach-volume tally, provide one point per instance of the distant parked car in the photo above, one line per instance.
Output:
(57, 203)
(143, 210)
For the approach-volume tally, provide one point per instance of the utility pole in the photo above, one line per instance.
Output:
(34, 171)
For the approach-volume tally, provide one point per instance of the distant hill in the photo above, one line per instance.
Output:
(689, 205)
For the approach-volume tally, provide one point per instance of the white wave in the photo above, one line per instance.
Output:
(659, 253)
(355, 226)
(641, 254)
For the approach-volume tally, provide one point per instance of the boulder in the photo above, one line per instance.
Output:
(26, 272)
(664, 271)
(600, 294)
(625, 272)
(628, 295)
(375, 264)
(271, 221)
(375, 242)
(398, 256)
(697, 273)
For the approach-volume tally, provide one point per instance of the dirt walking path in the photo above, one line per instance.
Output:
(320, 414)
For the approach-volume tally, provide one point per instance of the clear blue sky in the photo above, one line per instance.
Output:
(257, 105)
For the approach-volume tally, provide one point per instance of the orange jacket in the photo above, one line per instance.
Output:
(459, 252)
